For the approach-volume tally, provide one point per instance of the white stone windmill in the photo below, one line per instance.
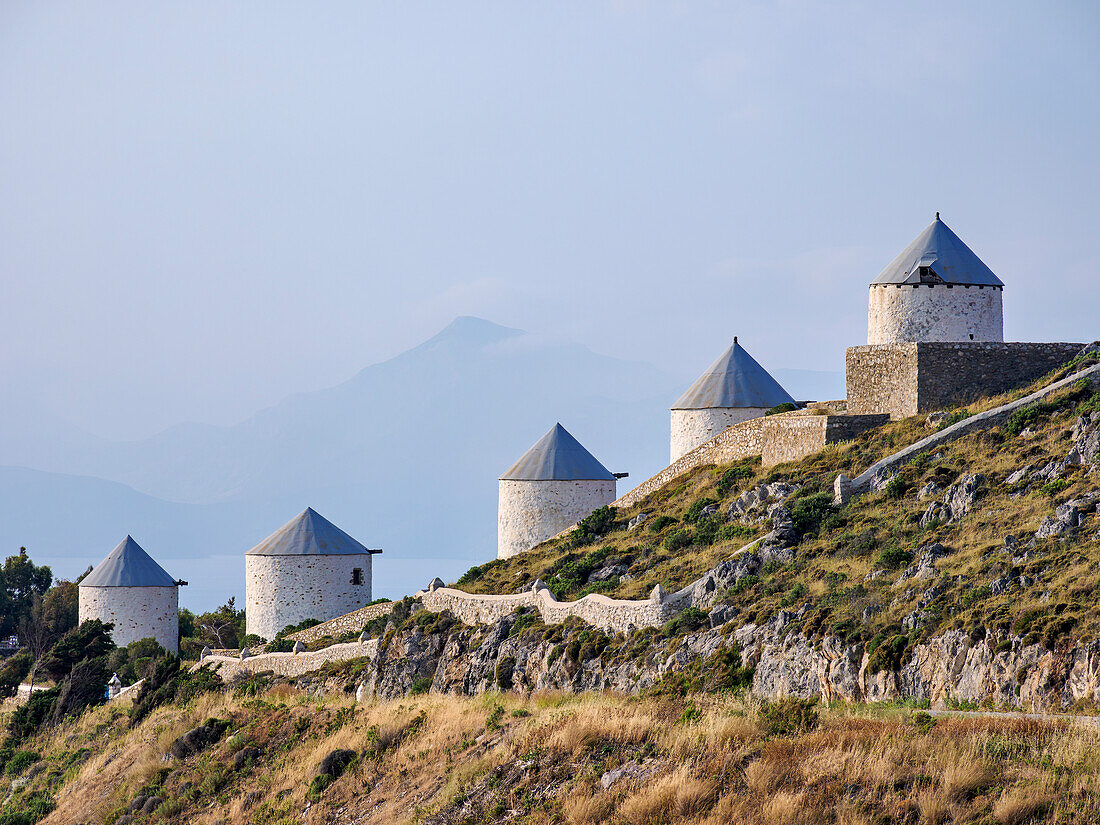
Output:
(734, 388)
(555, 484)
(937, 289)
(133, 592)
(307, 569)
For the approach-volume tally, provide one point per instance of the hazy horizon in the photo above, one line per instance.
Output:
(208, 207)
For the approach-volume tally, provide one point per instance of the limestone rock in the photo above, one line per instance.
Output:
(842, 490)
(637, 521)
(935, 419)
(607, 573)
(1018, 476)
(962, 495)
(928, 490)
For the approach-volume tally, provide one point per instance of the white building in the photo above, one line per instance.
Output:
(936, 290)
(553, 486)
(133, 592)
(307, 569)
(734, 388)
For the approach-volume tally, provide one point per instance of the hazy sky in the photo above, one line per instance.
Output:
(206, 206)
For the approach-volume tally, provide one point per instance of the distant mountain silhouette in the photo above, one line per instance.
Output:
(405, 455)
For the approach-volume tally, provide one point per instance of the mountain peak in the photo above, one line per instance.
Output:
(472, 331)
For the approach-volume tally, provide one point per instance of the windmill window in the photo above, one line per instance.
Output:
(357, 575)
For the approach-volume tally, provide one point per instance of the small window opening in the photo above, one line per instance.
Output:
(357, 573)
(972, 336)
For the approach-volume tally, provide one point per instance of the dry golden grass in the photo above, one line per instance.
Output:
(438, 759)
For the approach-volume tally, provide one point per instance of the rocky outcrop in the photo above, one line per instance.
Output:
(999, 669)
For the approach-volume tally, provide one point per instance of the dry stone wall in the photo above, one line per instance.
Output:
(349, 623)
(906, 379)
(288, 664)
(619, 615)
(790, 437)
(136, 612)
(882, 469)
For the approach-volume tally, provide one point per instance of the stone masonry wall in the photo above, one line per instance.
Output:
(620, 615)
(933, 312)
(690, 428)
(137, 613)
(791, 437)
(739, 441)
(288, 664)
(282, 590)
(910, 378)
(348, 623)
(530, 512)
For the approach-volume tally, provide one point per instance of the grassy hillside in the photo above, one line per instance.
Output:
(590, 759)
(848, 562)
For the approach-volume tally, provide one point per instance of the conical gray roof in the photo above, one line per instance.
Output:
(941, 251)
(734, 380)
(557, 456)
(308, 534)
(128, 566)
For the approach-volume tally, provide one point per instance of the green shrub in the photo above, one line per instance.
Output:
(789, 716)
(20, 761)
(895, 488)
(887, 654)
(730, 478)
(678, 540)
(786, 406)
(421, 684)
(1026, 416)
(954, 418)
(707, 530)
(685, 622)
(694, 512)
(503, 673)
(660, 523)
(34, 807)
(593, 526)
(894, 557)
(1053, 488)
(809, 512)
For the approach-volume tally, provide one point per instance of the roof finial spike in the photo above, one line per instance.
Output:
(735, 339)
(937, 216)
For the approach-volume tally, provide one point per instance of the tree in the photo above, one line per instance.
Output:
(223, 627)
(91, 640)
(34, 633)
(60, 607)
(22, 581)
(13, 672)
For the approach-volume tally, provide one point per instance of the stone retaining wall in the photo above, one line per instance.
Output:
(739, 441)
(288, 664)
(352, 622)
(776, 438)
(617, 615)
(905, 379)
(883, 468)
(790, 437)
